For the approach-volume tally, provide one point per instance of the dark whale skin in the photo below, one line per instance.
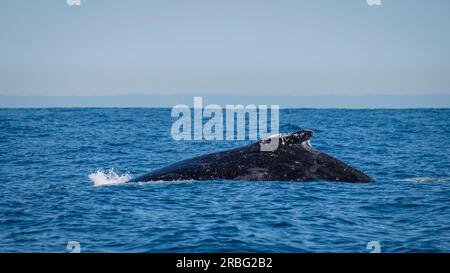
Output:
(294, 160)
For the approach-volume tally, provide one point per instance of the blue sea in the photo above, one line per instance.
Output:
(49, 159)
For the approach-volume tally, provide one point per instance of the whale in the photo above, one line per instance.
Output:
(293, 159)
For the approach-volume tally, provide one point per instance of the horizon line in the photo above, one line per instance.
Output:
(379, 101)
(229, 94)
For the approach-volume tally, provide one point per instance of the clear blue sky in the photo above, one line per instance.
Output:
(106, 47)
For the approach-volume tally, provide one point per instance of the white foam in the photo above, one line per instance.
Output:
(101, 178)
(424, 179)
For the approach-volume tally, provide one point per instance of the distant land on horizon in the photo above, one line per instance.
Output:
(284, 101)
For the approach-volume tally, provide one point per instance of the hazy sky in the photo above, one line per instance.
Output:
(107, 47)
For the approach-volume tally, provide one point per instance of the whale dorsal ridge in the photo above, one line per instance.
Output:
(293, 138)
(298, 137)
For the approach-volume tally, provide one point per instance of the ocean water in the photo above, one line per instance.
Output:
(49, 157)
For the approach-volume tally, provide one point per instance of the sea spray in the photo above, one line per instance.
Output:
(101, 178)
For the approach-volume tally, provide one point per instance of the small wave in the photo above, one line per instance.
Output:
(101, 178)
(424, 179)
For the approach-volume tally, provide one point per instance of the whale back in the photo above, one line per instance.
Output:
(293, 160)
